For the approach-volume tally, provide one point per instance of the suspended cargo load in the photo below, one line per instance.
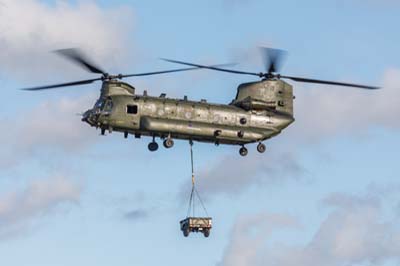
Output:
(196, 224)
(192, 223)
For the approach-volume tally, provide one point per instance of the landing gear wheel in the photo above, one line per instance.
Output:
(168, 143)
(186, 232)
(206, 233)
(153, 146)
(243, 151)
(261, 148)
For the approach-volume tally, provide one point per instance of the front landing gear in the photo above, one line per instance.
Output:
(153, 146)
(243, 151)
(168, 143)
(261, 148)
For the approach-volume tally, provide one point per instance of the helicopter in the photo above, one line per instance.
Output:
(260, 110)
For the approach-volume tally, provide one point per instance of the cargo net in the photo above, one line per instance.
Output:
(191, 212)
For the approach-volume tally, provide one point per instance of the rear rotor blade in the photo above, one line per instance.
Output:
(211, 67)
(169, 71)
(272, 59)
(74, 83)
(317, 81)
(77, 56)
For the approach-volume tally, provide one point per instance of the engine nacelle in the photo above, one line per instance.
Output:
(265, 95)
(112, 87)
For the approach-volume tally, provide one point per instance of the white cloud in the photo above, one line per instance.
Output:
(233, 174)
(29, 29)
(356, 233)
(249, 233)
(18, 209)
(49, 126)
(325, 111)
(56, 123)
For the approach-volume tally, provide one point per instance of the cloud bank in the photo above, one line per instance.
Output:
(29, 29)
(51, 126)
(18, 209)
(233, 174)
(327, 111)
(357, 231)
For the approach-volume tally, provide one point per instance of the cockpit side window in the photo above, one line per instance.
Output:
(99, 104)
(131, 109)
(108, 106)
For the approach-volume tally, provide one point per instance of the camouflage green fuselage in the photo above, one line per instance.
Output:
(245, 120)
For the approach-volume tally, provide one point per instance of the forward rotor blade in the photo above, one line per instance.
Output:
(272, 59)
(77, 56)
(211, 67)
(317, 81)
(74, 83)
(170, 71)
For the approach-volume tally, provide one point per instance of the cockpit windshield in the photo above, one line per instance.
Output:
(99, 104)
(104, 105)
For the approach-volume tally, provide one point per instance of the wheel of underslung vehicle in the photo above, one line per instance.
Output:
(168, 143)
(207, 233)
(243, 151)
(261, 148)
(153, 146)
(186, 232)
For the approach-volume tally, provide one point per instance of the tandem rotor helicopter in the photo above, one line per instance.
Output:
(260, 110)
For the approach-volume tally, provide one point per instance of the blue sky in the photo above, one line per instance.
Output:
(324, 192)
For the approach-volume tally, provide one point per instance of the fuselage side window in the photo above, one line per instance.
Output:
(131, 109)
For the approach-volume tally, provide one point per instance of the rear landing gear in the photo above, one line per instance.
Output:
(243, 151)
(153, 146)
(261, 148)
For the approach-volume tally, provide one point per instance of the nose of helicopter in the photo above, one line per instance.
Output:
(88, 117)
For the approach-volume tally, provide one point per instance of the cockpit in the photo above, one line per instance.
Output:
(103, 106)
